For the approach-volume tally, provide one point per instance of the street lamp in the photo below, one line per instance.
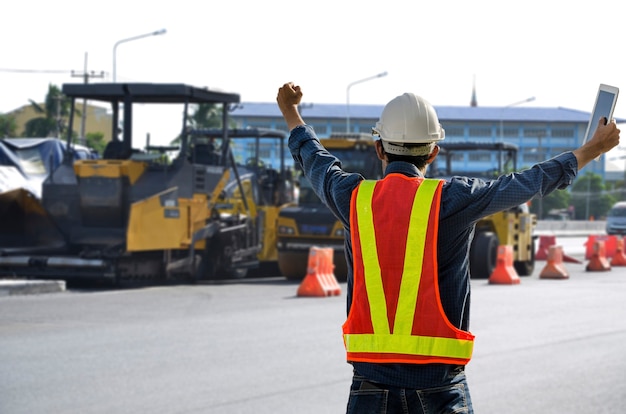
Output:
(158, 32)
(530, 99)
(380, 75)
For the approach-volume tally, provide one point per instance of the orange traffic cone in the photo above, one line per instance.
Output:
(544, 244)
(554, 268)
(610, 245)
(570, 259)
(320, 279)
(504, 272)
(619, 258)
(598, 261)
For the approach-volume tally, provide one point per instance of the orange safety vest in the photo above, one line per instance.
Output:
(396, 313)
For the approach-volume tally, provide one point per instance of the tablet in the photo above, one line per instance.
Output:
(603, 107)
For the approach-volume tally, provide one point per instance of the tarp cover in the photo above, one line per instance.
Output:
(26, 162)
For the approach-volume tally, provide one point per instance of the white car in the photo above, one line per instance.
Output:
(616, 219)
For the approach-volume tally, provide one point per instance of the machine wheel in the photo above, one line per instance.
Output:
(237, 273)
(483, 254)
(526, 268)
(206, 269)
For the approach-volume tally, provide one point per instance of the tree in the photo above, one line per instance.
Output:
(620, 189)
(54, 113)
(95, 141)
(557, 200)
(8, 126)
(590, 198)
(205, 116)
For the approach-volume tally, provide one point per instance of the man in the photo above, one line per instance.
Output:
(408, 296)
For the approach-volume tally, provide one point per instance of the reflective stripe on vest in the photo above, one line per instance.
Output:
(406, 347)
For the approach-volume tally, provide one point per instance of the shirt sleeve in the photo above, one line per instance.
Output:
(478, 198)
(330, 182)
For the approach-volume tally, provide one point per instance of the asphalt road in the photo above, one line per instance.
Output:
(253, 346)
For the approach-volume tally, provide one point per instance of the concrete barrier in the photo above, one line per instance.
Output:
(572, 228)
(11, 287)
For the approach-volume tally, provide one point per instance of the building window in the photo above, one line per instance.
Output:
(266, 150)
(535, 132)
(453, 130)
(535, 136)
(510, 132)
(458, 157)
(480, 131)
(280, 124)
(365, 129)
(560, 141)
(562, 133)
(337, 127)
(319, 127)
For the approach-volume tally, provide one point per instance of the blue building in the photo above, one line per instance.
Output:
(539, 133)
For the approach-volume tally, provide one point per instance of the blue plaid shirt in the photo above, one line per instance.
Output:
(464, 201)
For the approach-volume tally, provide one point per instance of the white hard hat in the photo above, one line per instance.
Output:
(409, 119)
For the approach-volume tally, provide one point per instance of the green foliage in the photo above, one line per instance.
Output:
(619, 190)
(590, 198)
(54, 113)
(8, 126)
(95, 141)
(205, 116)
(557, 200)
(40, 127)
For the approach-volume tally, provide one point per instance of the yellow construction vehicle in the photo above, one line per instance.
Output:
(207, 211)
(309, 222)
(514, 227)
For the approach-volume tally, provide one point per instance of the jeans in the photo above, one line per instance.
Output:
(373, 398)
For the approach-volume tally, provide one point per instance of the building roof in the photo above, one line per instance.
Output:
(445, 113)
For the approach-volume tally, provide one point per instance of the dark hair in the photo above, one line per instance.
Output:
(419, 161)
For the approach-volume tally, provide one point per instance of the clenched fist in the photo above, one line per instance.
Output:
(288, 98)
(289, 95)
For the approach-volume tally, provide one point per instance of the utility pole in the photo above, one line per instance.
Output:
(85, 75)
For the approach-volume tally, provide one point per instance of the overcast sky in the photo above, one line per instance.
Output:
(557, 51)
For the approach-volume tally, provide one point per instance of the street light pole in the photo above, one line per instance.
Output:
(530, 99)
(380, 75)
(156, 33)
